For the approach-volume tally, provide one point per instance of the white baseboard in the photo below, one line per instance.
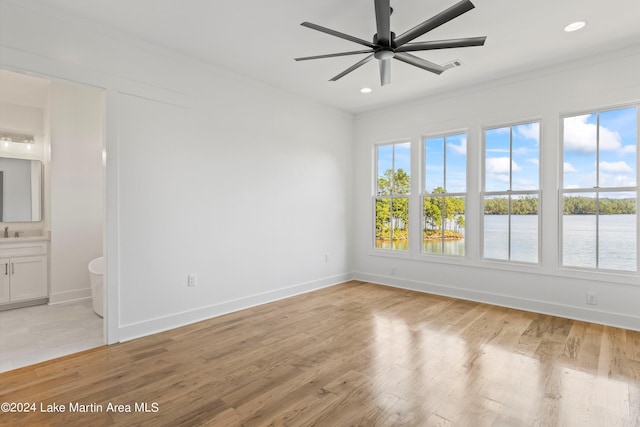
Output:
(69, 296)
(140, 329)
(536, 306)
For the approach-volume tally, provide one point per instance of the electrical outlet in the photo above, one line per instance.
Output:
(393, 271)
(592, 298)
(326, 257)
(192, 279)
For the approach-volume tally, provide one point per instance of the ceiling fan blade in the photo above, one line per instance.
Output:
(385, 72)
(353, 67)
(442, 44)
(332, 55)
(419, 62)
(337, 34)
(383, 22)
(435, 21)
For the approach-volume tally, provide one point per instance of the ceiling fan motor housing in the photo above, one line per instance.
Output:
(393, 40)
(384, 52)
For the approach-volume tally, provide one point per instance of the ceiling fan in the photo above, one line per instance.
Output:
(387, 46)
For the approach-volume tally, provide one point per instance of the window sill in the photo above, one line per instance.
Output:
(388, 253)
(610, 277)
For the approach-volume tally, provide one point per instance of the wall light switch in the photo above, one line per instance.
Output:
(192, 279)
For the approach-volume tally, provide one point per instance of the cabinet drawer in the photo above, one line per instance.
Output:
(23, 249)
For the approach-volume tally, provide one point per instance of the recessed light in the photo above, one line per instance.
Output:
(365, 90)
(575, 26)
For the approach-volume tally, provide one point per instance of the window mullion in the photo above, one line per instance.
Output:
(392, 185)
(444, 185)
(442, 207)
(597, 228)
(444, 165)
(509, 226)
(509, 196)
(597, 190)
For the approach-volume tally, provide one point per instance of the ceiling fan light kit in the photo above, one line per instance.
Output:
(386, 46)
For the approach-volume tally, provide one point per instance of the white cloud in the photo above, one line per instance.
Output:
(568, 168)
(523, 151)
(628, 149)
(615, 167)
(533, 161)
(530, 131)
(523, 184)
(616, 181)
(458, 149)
(497, 165)
(499, 177)
(581, 136)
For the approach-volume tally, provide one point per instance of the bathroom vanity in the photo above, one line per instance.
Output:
(23, 253)
(23, 271)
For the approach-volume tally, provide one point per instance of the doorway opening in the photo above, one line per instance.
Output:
(46, 307)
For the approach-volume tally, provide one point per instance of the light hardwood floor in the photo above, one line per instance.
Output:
(352, 354)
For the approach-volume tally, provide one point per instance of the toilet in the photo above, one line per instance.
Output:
(96, 276)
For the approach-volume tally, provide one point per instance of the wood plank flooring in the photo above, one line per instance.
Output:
(352, 354)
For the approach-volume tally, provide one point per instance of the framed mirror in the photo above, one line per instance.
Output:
(20, 190)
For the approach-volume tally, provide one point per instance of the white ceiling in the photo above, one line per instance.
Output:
(260, 38)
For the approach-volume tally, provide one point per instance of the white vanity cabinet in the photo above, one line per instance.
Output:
(23, 270)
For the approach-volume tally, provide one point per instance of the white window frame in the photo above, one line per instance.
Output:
(597, 189)
(392, 196)
(424, 193)
(509, 193)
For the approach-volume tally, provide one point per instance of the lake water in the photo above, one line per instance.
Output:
(616, 241)
(524, 237)
(450, 247)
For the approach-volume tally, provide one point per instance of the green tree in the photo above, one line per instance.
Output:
(392, 214)
(401, 182)
(390, 183)
(432, 213)
(441, 212)
(383, 218)
(496, 206)
(453, 208)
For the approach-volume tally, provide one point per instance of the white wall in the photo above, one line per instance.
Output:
(76, 188)
(207, 173)
(20, 118)
(591, 84)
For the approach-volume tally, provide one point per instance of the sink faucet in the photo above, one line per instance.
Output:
(6, 232)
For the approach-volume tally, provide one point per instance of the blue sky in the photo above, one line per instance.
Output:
(617, 149)
(523, 141)
(456, 163)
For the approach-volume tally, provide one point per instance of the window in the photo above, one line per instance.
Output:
(443, 199)
(599, 190)
(511, 220)
(393, 172)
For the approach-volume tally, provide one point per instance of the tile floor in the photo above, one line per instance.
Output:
(35, 334)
